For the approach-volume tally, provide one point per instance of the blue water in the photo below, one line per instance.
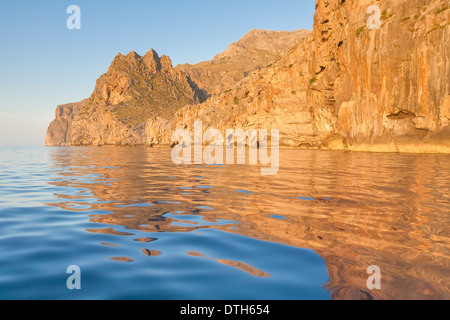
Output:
(48, 198)
(140, 227)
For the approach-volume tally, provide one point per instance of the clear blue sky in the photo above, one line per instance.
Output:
(43, 64)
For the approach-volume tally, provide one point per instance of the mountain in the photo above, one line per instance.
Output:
(348, 87)
(275, 97)
(252, 52)
(60, 130)
(133, 90)
(342, 86)
(137, 91)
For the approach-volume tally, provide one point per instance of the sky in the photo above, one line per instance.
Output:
(44, 64)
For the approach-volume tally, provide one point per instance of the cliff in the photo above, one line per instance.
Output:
(385, 89)
(252, 52)
(275, 97)
(60, 130)
(343, 86)
(133, 90)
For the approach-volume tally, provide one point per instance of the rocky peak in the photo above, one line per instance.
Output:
(253, 51)
(152, 61)
(125, 63)
(133, 90)
(259, 42)
(166, 63)
(133, 56)
(134, 63)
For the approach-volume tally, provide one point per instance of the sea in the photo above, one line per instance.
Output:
(88, 223)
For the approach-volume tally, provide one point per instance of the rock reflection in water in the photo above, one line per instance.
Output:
(354, 209)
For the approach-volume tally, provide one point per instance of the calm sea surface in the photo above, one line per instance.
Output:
(140, 227)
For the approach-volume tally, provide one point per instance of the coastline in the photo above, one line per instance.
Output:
(361, 148)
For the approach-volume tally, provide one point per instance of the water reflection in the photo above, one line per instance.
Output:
(353, 209)
(236, 264)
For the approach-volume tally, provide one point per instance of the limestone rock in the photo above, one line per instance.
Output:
(60, 130)
(348, 87)
(133, 90)
(384, 89)
(342, 86)
(255, 50)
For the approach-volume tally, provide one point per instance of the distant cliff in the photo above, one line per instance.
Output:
(255, 50)
(139, 96)
(59, 132)
(133, 90)
(343, 86)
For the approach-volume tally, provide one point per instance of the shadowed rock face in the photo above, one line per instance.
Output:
(342, 86)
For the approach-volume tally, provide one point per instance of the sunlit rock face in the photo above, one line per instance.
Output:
(60, 130)
(342, 86)
(135, 101)
(133, 90)
(255, 50)
(384, 89)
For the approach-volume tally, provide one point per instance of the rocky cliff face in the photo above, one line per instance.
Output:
(275, 97)
(133, 90)
(60, 130)
(255, 50)
(351, 87)
(343, 86)
(385, 89)
(135, 101)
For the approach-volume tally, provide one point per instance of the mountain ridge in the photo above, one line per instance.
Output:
(341, 86)
(136, 89)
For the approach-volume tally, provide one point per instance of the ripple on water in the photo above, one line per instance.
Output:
(121, 215)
